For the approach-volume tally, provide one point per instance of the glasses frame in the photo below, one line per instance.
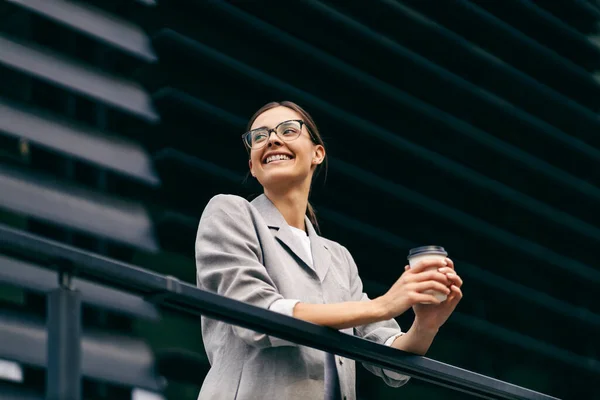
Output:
(301, 122)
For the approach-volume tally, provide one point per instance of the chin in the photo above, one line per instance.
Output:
(281, 178)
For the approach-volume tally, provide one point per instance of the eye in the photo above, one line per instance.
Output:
(289, 128)
(259, 136)
(290, 131)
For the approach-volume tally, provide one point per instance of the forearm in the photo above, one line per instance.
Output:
(417, 340)
(340, 315)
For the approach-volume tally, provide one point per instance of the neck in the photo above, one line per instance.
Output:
(291, 203)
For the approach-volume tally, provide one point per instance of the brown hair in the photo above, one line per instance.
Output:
(316, 138)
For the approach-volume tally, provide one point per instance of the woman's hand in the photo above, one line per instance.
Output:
(431, 317)
(409, 289)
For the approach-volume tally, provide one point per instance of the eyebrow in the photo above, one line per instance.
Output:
(266, 127)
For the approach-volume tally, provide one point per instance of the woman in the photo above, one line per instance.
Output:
(268, 254)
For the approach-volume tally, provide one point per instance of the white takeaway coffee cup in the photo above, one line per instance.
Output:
(423, 253)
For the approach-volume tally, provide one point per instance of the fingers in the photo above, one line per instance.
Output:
(455, 279)
(421, 287)
(425, 298)
(450, 263)
(455, 295)
(452, 276)
(429, 276)
(429, 263)
(446, 270)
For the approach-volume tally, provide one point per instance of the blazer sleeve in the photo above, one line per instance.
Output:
(229, 261)
(378, 332)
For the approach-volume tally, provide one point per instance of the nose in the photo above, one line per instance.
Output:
(273, 138)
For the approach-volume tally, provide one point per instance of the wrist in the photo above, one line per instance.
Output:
(379, 309)
(424, 329)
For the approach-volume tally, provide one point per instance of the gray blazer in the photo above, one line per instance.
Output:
(246, 251)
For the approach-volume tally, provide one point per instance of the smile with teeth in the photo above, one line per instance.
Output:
(277, 157)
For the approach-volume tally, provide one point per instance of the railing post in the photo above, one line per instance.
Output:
(63, 321)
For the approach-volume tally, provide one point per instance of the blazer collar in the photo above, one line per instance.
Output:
(284, 234)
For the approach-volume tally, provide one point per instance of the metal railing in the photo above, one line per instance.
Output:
(64, 325)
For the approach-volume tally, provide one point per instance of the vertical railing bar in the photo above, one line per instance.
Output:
(63, 320)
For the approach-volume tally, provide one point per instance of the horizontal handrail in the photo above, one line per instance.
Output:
(171, 293)
(19, 273)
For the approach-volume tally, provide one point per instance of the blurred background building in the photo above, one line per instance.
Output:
(468, 124)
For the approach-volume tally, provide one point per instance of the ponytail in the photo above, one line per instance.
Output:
(312, 217)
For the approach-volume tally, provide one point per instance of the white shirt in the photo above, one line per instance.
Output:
(286, 306)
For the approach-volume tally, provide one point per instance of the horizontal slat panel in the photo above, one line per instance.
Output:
(547, 29)
(527, 343)
(473, 63)
(77, 140)
(65, 205)
(151, 3)
(82, 79)
(14, 392)
(107, 357)
(556, 71)
(580, 14)
(96, 23)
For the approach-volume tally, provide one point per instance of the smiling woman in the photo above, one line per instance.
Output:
(268, 253)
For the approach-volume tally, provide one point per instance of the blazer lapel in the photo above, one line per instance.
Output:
(283, 233)
(319, 250)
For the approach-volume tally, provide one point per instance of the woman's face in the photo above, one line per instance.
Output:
(303, 154)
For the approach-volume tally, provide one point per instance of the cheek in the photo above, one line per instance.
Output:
(254, 161)
(304, 155)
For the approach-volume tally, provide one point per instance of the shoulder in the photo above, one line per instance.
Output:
(226, 204)
(331, 244)
(226, 210)
(227, 216)
(336, 249)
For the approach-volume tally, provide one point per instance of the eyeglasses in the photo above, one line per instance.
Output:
(286, 131)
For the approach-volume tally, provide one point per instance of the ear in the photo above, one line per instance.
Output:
(250, 166)
(318, 154)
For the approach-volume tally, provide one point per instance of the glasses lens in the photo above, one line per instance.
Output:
(258, 137)
(289, 130)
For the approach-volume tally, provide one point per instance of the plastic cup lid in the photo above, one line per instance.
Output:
(418, 251)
